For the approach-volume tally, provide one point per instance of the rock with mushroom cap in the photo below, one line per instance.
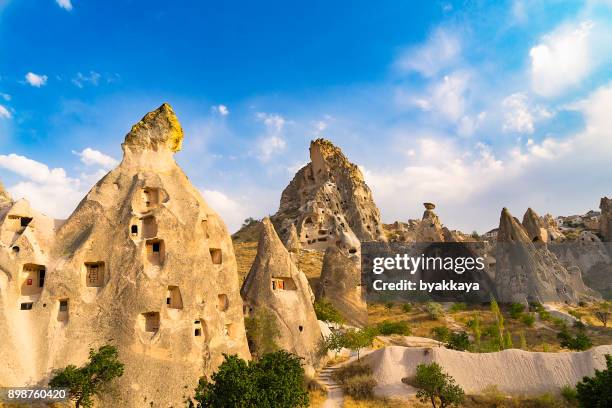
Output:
(276, 286)
(142, 263)
(529, 273)
(430, 228)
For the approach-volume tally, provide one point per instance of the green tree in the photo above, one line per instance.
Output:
(508, 344)
(276, 380)
(477, 331)
(516, 309)
(354, 339)
(579, 342)
(499, 322)
(262, 332)
(326, 312)
(603, 313)
(596, 391)
(92, 378)
(458, 341)
(437, 387)
(522, 340)
(435, 310)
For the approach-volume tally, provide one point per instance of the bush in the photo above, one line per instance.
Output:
(570, 394)
(441, 333)
(351, 339)
(406, 307)
(360, 387)
(389, 305)
(276, 380)
(388, 328)
(262, 332)
(579, 342)
(595, 391)
(458, 341)
(356, 380)
(435, 310)
(435, 385)
(326, 312)
(528, 319)
(516, 309)
(458, 307)
(85, 382)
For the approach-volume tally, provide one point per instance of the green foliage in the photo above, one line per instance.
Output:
(276, 380)
(499, 322)
(248, 221)
(356, 380)
(476, 330)
(596, 391)
(579, 342)
(570, 394)
(528, 319)
(262, 332)
(441, 333)
(326, 312)
(387, 328)
(516, 309)
(354, 339)
(523, 340)
(458, 307)
(435, 310)
(89, 380)
(508, 344)
(406, 307)
(458, 341)
(389, 305)
(437, 387)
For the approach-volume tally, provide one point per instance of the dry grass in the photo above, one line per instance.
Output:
(317, 398)
(245, 255)
(374, 403)
(542, 336)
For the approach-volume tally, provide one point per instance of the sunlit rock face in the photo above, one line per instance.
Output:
(143, 263)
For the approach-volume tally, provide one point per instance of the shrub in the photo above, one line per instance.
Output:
(435, 310)
(435, 385)
(351, 339)
(528, 319)
(579, 342)
(326, 312)
(406, 307)
(458, 341)
(360, 387)
(516, 309)
(595, 391)
(342, 374)
(262, 332)
(389, 305)
(458, 307)
(490, 331)
(570, 394)
(276, 380)
(387, 328)
(85, 382)
(441, 333)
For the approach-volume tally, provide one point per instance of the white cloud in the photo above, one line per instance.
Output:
(520, 116)
(441, 50)
(36, 80)
(562, 59)
(65, 4)
(48, 190)
(273, 142)
(5, 96)
(93, 157)
(519, 12)
(221, 110)
(446, 97)
(80, 80)
(230, 210)
(4, 112)
(469, 124)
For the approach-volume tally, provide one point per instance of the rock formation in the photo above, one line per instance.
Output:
(340, 281)
(292, 243)
(274, 284)
(142, 263)
(326, 198)
(531, 273)
(534, 226)
(430, 228)
(4, 195)
(552, 229)
(605, 220)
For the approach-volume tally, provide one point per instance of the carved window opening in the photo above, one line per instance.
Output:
(95, 274)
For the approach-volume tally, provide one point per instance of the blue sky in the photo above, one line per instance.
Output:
(472, 105)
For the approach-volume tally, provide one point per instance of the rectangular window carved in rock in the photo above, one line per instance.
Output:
(216, 256)
(174, 299)
(94, 276)
(33, 279)
(155, 251)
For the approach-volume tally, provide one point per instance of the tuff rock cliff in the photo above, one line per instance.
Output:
(527, 271)
(143, 263)
(276, 286)
(605, 220)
